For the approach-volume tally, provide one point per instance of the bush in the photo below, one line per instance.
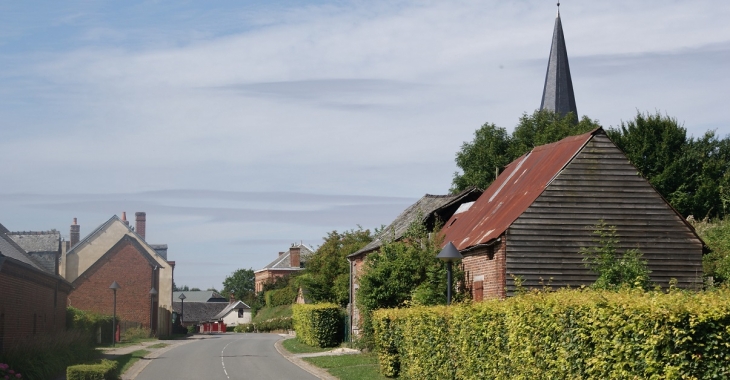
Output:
(98, 326)
(279, 297)
(193, 329)
(43, 356)
(568, 334)
(244, 328)
(276, 324)
(230, 328)
(106, 370)
(319, 325)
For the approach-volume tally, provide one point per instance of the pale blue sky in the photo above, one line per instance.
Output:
(241, 128)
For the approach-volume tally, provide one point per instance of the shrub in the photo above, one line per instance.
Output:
(7, 373)
(319, 325)
(106, 370)
(193, 329)
(276, 324)
(568, 334)
(43, 356)
(244, 328)
(98, 326)
(279, 297)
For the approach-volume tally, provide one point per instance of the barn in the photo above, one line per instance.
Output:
(533, 219)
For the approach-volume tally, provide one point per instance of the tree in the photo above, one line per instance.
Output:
(402, 273)
(492, 148)
(241, 283)
(691, 173)
(614, 270)
(326, 277)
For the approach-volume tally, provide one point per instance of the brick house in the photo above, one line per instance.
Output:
(287, 263)
(116, 252)
(533, 219)
(32, 298)
(432, 209)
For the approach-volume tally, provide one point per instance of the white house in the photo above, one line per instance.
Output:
(234, 314)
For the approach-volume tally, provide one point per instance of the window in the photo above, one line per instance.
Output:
(240, 313)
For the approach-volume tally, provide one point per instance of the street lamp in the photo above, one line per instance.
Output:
(153, 294)
(182, 307)
(449, 254)
(114, 286)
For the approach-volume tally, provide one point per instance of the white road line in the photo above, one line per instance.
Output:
(224, 364)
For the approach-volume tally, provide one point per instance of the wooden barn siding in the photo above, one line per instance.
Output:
(599, 183)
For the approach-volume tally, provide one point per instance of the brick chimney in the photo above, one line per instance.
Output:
(75, 233)
(294, 257)
(141, 224)
(124, 218)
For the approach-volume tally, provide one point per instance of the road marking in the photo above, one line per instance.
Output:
(223, 363)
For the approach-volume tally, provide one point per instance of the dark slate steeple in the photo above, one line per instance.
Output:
(557, 95)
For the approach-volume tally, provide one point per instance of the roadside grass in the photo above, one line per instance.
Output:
(350, 367)
(296, 347)
(158, 345)
(124, 362)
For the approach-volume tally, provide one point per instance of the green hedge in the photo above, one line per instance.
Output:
(106, 370)
(279, 297)
(569, 334)
(319, 325)
(90, 322)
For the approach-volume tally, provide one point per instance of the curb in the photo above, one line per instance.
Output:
(140, 365)
(316, 371)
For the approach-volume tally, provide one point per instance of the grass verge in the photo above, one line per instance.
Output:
(124, 362)
(158, 345)
(296, 347)
(350, 367)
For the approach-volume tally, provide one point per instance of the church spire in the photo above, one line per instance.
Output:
(557, 95)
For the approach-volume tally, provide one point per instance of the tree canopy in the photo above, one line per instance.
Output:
(691, 173)
(493, 148)
(241, 284)
(326, 277)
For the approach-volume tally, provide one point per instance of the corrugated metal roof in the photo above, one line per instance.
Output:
(512, 193)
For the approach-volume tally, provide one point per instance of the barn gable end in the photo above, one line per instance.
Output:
(599, 183)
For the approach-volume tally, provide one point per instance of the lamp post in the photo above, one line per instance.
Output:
(153, 294)
(449, 254)
(114, 286)
(182, 307)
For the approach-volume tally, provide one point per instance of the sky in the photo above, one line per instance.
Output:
(242, 127)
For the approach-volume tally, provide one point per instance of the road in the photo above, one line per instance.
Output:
(224, 357)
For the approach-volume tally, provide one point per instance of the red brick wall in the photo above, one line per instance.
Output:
(489, 264)
(129, 268)
(30, 303)
(268, 275)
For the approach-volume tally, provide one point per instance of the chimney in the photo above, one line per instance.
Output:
(281, 253)
(124, 218)
(141, 223)
(294, 257)
(75, 233)
(231, 299)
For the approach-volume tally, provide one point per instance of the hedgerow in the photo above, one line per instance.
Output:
(318, 325)
(568, 334)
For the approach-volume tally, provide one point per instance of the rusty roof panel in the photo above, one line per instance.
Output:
(512, 193)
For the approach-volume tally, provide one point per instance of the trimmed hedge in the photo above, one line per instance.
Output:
(280, 297)
(318, 325)
(568, 334)
(91, 322)
(106, 370)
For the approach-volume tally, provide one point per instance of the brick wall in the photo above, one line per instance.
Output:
(487, 265)
(126, 265)
(31, 303)
(265, 276)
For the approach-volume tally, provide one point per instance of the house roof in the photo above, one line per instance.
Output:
(200, 296)
(557, 95)
(283, 262)
(232, 306)
(37, 241)
(126, 239)
(512, 193)
(9, 248)
(199, 311)
(427, 207)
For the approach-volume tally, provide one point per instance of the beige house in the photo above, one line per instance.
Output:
(234, 314)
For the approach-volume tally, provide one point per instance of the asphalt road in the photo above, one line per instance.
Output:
(223, 357)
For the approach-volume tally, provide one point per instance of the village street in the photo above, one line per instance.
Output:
(225, 356)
